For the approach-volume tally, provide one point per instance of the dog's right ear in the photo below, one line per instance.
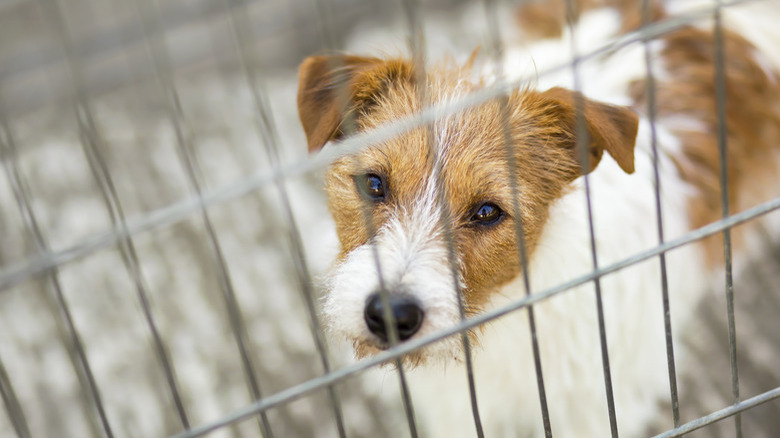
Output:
(336, 88)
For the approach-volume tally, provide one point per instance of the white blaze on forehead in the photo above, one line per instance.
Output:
(413, 257)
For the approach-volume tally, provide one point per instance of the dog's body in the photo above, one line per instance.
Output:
(398, 204)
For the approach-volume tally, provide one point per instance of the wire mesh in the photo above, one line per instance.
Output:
(199, 212)
(582, 141)
(651, 115)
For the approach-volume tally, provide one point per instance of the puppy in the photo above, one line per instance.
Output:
(442, 211)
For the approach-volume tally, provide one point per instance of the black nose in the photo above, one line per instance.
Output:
(407, 312)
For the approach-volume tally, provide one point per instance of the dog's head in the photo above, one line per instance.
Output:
(431, 213)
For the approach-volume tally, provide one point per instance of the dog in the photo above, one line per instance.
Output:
(432, 221)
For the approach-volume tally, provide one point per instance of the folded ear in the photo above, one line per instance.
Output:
(333, 88)
(610, 127)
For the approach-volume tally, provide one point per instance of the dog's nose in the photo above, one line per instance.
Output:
(407, 312)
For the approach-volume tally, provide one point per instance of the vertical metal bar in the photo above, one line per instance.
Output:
(720, 101)
(391, 329)
(416, 45)
(330, 41)
(12, 405)
(348, 126)
(160, 58)
(59, 307)
(389, 320)
(10, 400)
(581, 146)
(90, 141)
(266, 129)
(651, 116)
(491, 14)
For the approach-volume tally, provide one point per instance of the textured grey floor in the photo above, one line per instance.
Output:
(177, 261)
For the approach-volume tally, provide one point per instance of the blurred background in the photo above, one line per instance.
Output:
(115, 115)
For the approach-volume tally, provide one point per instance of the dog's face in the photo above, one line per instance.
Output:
(432, 213)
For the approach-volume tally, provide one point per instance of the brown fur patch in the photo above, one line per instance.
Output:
(687, 90)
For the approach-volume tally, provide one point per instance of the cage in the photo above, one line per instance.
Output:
(163, 231)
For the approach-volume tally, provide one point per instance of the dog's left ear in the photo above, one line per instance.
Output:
(610, 127)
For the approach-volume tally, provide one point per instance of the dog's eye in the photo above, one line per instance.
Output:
(487, 214)
(371, 186)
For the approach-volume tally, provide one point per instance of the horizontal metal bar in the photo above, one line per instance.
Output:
(722, 414)
(178, 211)
(312, 385)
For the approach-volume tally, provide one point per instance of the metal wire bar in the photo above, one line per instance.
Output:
(266, 129)
(330, 40)
(348, 126)
(405, 395)
(391, 327)
(417, 48)
(491, 14)
(295, 392)
(388, 318)
(10, 400)
(12, 405)
(733, 410)
(159, 56)
(178, 211)
(582, 141)
(445, 223)
(448, 237)
(651, 118)
(90, 141)
(720, 104)
(59, 308)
